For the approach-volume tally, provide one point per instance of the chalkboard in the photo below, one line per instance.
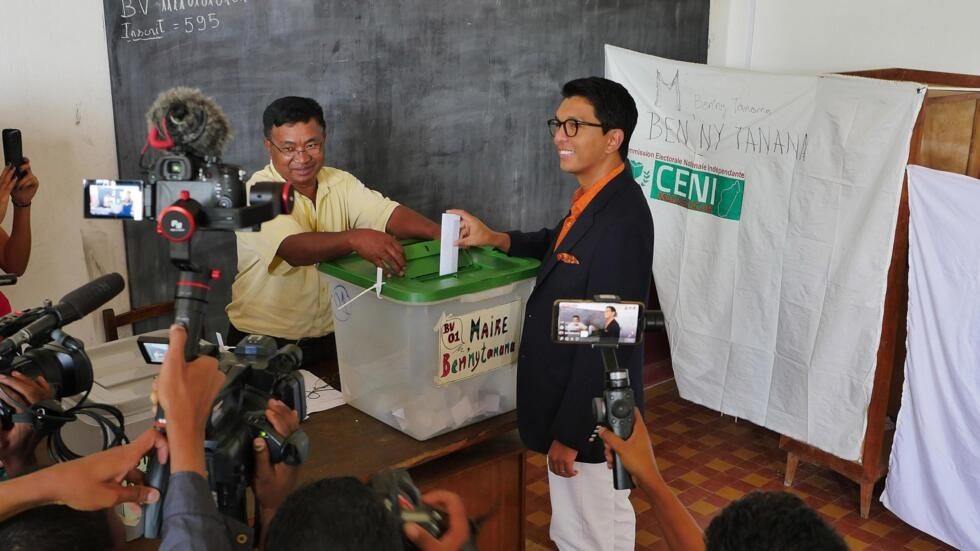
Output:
(435, 104)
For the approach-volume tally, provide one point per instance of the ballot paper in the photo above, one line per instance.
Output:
(319, 395)
(448, 252)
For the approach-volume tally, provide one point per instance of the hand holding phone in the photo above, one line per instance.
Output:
(27, 185)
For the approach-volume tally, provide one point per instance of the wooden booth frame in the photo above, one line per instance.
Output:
(946, 137)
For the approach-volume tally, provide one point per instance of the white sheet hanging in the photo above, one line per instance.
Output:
(774, 200)
(934, 473)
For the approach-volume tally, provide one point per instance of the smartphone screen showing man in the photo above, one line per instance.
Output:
(154, 349)
(592, 322)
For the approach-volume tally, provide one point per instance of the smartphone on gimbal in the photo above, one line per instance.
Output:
(597, 322)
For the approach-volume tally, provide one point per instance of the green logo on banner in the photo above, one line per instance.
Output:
(641, 175)
(693, 189)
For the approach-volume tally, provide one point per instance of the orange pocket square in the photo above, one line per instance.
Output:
(567, 258)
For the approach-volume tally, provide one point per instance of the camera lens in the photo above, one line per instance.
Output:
(68, 371)
(288, 358)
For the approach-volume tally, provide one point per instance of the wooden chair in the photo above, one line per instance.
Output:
(112, 322)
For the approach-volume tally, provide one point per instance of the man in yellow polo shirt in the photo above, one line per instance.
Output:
(278, 291)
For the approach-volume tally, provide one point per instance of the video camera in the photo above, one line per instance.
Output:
(34, 344)
(254, 373)
(402, 499)
(607, 322)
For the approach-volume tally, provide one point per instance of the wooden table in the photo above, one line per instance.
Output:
(483, 463)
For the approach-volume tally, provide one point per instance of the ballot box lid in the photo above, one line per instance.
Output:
(480, 269)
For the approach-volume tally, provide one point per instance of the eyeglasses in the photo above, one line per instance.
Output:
(570, 126)
(291, 151)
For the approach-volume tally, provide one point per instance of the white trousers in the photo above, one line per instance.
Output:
(588, 514)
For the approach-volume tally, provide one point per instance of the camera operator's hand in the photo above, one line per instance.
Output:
(274, 482)
(561, 459)
(27, 184)
(458, 532)
(678, 527)
(474, 233)
(17, 445)
(636, 452)
(87, 484)
(379, 248)
(187, 392)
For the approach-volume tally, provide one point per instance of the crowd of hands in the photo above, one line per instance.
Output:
(187, 392)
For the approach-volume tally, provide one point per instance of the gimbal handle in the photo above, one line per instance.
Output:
(617, 396)
(190, 307)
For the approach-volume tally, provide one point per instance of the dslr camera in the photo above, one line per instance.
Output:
(217, 190)
(186, 186)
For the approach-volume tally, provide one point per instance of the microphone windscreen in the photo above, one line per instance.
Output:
(194, 121)
(80, 302)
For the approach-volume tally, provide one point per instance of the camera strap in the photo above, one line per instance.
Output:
(44, 417)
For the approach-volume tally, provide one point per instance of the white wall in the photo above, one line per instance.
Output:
(54, 86)
(807, 37)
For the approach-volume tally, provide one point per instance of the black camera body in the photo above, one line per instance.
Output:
(254, 373)
(210, 182)
(55, 355)
(185, 191)
(402, 498)
(33, 343)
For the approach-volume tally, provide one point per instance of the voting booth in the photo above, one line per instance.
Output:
(431, 353)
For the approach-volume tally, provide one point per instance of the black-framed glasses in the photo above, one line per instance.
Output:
(291, 151)
(570, 126)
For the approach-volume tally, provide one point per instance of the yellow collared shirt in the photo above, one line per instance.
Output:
(270, 296)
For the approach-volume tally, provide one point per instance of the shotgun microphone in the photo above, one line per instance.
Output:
(72, 307)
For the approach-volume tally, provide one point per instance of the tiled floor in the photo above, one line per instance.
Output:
(710, 460)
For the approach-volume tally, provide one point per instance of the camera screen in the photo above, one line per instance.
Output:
(592, 322)
(114, 199)
(153, 348)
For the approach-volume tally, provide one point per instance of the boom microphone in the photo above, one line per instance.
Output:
(185, 119)
(72, 307)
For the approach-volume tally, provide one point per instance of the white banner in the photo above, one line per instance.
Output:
(934, 473)
(774, 201)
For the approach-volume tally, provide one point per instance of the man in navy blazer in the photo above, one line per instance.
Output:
(604, 245)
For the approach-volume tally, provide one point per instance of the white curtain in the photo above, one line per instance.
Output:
(934, 473)
(774, 200)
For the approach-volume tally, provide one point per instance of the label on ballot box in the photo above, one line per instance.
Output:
(475, 343)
